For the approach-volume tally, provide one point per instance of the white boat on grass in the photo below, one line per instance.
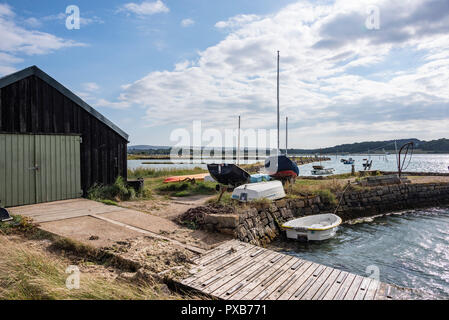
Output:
(272, 190)
(320, 170)
(316, 228)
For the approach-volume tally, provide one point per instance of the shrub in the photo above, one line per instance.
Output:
(260, 203)
(327, 196)
(118, 191)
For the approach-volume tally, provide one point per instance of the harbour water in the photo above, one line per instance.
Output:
(418, 163)
(178, 164)
(409, 249)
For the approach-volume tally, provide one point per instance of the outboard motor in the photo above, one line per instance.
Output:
(4, 215)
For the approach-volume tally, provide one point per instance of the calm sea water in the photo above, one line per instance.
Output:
(411, 249)
(419, 162)
(177, 164)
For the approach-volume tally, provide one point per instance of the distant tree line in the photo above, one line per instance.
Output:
(433, 146)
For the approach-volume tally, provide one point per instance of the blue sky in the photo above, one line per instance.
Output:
(155, 66)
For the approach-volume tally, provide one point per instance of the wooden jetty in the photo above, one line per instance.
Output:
(240, 271)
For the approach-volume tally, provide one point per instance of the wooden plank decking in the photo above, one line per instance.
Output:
(240, 271)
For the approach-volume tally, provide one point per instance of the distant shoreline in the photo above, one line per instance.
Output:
(168, 157)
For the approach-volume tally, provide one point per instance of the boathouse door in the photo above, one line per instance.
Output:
(39, 168)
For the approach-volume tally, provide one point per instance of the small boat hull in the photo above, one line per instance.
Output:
(320, 172)
(281, 167)
(272, 190)
(311, 235)
(228, 174)
(313, 228)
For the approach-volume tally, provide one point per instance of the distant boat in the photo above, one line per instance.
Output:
(367, 164)
(320, 170)
(272, 190)
(348, 161)
(280, 167)
(229, 174)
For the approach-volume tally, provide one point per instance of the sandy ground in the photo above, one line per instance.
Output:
(165, 208)
(83, 229)
(99, 233)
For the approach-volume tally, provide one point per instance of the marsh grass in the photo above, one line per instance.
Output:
(225, 199)
(28, 273)
(157, 173)
(184, 189)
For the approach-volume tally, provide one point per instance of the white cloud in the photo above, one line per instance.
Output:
(33, 22)
(145, 8)
(237, 21)
(187, 22)
(90, 86)
(111, 104)
(16, 41)
(339, 81)
(6, 10)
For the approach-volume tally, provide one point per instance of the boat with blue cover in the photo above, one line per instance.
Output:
(260, 177)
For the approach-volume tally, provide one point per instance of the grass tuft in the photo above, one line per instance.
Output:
(185, 189)
(118, 191)
(27, 273)
(158, 173)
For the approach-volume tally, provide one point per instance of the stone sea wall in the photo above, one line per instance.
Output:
(259, 224)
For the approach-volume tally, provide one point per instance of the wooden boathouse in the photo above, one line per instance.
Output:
(53, 145)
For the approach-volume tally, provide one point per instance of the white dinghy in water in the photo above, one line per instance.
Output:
(316, 228)
(272, 190)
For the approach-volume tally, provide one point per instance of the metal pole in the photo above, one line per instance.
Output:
(396, 149)
(278, 99)
(286, 136)
(238, 149)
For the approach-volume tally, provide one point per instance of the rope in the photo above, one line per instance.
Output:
(405, 157)
(341, 198)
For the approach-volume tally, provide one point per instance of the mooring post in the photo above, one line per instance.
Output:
(222, 190)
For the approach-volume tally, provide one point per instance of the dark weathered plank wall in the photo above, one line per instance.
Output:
(32, 106)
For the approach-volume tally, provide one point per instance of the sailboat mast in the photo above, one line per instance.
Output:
(238, 147)
(286, 136)
(278, 99)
